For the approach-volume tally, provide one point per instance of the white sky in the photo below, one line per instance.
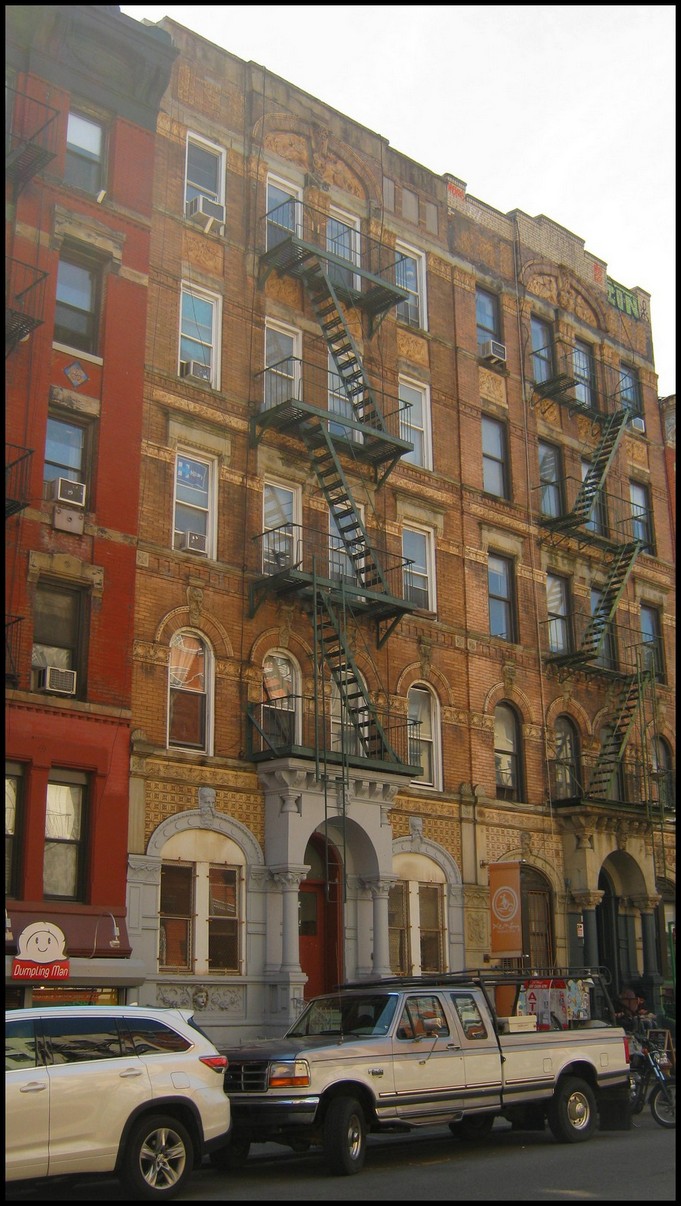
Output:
(565, 110)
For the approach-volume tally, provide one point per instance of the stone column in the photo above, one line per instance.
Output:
(289, 880)
(379, 889)
(651, 978)
(588, 903)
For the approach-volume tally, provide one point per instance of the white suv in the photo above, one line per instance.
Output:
(123, 1089)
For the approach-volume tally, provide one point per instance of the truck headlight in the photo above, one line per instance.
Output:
(289, 1072)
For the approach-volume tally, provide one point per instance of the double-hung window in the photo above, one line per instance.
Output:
(281, 543)
(415, 422)
(65, 836)
(199, 913)
(542, 350)
(597, 520)
(76, 317)
(84, 154)
(416, 928)
(339, 404)
(558, 602)
(651, 636)
(284, 212)
(606, 656)
(507, 753)
(410, 274)
(279, 700)
(641, 518)
(630, 389)
(584, 371)
(58, 657)
(566, 778)
(189, 685)
(486, 317)
(419, 572)
(199, 336)
(66, 450)
(550, 477)
(204, 196)
(282, 364)
(424, 736)
(342, 240)
(194, 504)
(495, 475)
(501, 597)
(13, 828)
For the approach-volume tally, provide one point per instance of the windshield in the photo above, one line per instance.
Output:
(360, 1016)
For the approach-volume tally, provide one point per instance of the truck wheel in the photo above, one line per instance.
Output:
(572, 1111)
(233, 1155)
(474, 1129)
(345, 1139)
(663, 1104)
(158, 1158)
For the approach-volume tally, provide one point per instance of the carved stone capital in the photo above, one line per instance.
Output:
(588, 899)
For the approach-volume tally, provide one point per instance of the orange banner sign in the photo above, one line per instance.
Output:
(505, 909)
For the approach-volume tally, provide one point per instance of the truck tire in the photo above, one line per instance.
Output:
(572, 1112)
(233, 1155)
(663, 1104)
(158, 1158)
(345, 1137)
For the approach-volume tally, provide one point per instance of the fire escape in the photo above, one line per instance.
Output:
(598, 519)
(338, 416)
(30, 145)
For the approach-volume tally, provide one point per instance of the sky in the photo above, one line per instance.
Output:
(562, 110)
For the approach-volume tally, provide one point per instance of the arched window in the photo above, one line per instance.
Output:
(201, 904)
(566, 776)
(417, 916)
(424, 745)
(280, 700)
(661, 757)
(189, 684)
(507, 765)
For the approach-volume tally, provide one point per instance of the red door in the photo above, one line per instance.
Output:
(318, 929)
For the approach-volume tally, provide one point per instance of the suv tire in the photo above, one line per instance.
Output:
(345, 1137)
(159, 1156)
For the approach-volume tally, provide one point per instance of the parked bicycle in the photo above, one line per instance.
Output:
(649, 1080)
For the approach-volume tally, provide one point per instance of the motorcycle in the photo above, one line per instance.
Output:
(649, 1081)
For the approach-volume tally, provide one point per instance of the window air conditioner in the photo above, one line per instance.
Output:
(205, 213)
(57, 681)
(638, 423)
(196, 370)
(194, 542)
(63, 490)
(493, 351)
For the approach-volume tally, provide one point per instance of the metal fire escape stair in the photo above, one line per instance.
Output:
(599, 467)
(626, 704)
(594, 634)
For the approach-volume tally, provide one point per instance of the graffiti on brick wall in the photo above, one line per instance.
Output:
(625, 301)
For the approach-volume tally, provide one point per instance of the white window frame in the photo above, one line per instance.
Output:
(407, 427)
(420, 292)
(338, 403)
(276, 483)
(214, 300)
(339, 554)
(435, 739)
(352, 222)
(201, 851)
(295, 695)
(218, 198)
(209, 696)
(296, 337)
(296, 195)
(429, 567)
(210, 510)
(416, 872)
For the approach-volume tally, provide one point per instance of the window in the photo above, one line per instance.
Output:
(201, 904)
(424, 740)
(342, 239)
(77, 309)
(584, 372)
(542, 350)
(486, 317)
(419, 575)
(537, 918)
(410, 275)
(471, 1019)
(566, 777)
(506, 753)
(339, 404)
(494, 458)
(84, 153)
(284, 211)
(662, 772)
(415, 422)
(597, 520)
(398, 929)
(77, 1040)
(500, 595)
(630, 389)
(641, 516)
(64, 853)
(279, 700)
(550, 477)
(205, 174)
(199, 327)
(416, 917)
(282, 364)
(557, 602)
(341, 565)
(188, 690)
(431, 927)
(59, 633)
(280, 540)
(176, 913)
(653, 655)
(66, 450)
(606, 656)
(410, 205)
(418, 1011)
(13, 787)
(194, 504)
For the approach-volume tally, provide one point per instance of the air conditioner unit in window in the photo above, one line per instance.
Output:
(205, 213)
(63, 490)
(196, 370)
(638, 423)
(494, 352)
(57, 681)
(193, 542)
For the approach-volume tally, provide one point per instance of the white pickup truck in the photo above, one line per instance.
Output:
(391, 1055)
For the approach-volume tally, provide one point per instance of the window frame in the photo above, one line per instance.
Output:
(607, 657)
(513, 789)
(194, 293)
(78, 156)
(544, 353)
(424, 572)
(652, 641)
(630, 388)
(584, 370)
(351, 281)
(220, 155)
(295, 194)
(210, 510)
(597, 520)
(87, 343)
(553, 485)
(559, 621)
(14, 774)
(407, 427)
(567, 778)
(82, 472)
(485, 333)
(59, 777)
(433, 741)
(295, 335)
(197, 852)
(205, 714)
(507, 602)
(286, 547)
(291, 711)
(343, 736)
(412, 313)
(642, 515)
(77, 648)
(495, 460)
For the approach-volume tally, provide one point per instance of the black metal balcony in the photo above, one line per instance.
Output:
(632, 788)
(24, 302)
(361, 269)
(17, 469)
(32, 136)
(558, 375)
(603, 519)
(12, 644)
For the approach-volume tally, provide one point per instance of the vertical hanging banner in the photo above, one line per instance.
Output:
(505, 911)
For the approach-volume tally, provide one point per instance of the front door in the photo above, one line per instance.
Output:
(319, 920)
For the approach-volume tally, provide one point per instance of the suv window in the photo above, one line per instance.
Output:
(151, 1037)
(20, 1046)
(75, 1040)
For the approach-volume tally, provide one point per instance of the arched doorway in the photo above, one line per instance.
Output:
(320, 900)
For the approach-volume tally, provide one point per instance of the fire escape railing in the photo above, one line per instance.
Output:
(31, 140)
(24, 301)
(17, 472)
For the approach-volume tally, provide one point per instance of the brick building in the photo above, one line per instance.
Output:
(404, 598)
(83, 89)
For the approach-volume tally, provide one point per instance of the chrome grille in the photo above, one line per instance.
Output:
(246, 1077)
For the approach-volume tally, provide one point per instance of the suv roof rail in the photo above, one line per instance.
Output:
(478, 975)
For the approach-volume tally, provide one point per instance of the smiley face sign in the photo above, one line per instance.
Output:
(41, 953)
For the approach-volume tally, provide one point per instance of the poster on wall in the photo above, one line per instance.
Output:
(41, 953)
(505, 909)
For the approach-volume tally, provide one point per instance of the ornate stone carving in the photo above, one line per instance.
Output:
(492, 386)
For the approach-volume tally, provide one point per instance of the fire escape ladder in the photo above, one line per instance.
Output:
(626, 705)
(598, 470)
(336, 491)
(357, 709)
(621, 566)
